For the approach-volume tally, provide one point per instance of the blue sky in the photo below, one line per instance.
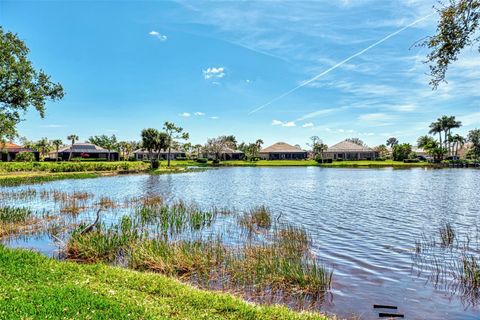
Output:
(210, 66)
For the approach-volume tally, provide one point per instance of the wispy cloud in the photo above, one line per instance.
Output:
(374, 117)
(158, 35)
(185, 114)
(214, 72)
(214, 117)
(199, 114)
(306, 82)
(307, 125)
(283, 124)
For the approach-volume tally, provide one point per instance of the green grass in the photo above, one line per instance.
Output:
(31, 178)
(72, 166)
(35, 287)
(301, 163)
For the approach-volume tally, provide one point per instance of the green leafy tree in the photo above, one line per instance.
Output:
(72, 138)
(25, 156)
(401, 151)
(43, 146)
(154, 140)
(174, 133)
(318, 147)
(21, 85)
(126, 148)
(106, 142)
(198, 149)
(457, 29)
(474, 138)
(382, 150)
(57, 143)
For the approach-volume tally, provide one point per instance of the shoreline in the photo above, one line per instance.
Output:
(52, 171)
(45, 287)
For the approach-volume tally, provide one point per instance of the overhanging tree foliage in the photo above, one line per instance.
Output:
(457, 28)
(21, 85)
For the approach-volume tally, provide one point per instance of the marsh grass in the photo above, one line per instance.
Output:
(447, 234)
(16, 221)
(208, 248)
(257, 219)
(451, 263)
(169, 239)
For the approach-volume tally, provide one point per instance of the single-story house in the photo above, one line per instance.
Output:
(85, 150)
(142, 154)
(347, 150)
(10, 150)
(282, 151)
(226, 154)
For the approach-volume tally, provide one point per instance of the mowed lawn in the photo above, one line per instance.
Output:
(36, 287)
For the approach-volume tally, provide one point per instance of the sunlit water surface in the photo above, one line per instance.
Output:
(364, 223)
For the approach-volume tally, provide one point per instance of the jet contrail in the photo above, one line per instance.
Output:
(339, 64)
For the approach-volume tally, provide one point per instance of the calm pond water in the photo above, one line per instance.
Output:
(364, 223)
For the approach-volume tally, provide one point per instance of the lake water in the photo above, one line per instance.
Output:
(364, 223)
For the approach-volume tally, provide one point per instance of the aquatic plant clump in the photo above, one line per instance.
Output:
(169, 239)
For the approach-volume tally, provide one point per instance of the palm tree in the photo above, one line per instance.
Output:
(198, 147)
(57, 143)
(43, 145)
(458, 142)
(173, 133)
(73, 138)
(451, 123)
(436, 128)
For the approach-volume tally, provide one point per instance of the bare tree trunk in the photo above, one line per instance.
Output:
(168, 155)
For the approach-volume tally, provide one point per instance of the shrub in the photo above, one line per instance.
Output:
(25, 157)
(201, 160)
(319, 158)
(411, 160)
(155, 164)
(381, 159)
(181, 158)
(215, 161)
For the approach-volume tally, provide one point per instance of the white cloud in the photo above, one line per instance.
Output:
(307, 125)
(214, 117)
(185, 114)
(403, 107)
(213, 72)
(200, 114)
(374, 117)
(158, 35)
(283, 124)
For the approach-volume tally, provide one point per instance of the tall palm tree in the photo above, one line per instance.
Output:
(458, 143)
(436, 128)
(392, 141)
(57, 143)
(72, 138)
(451, 123)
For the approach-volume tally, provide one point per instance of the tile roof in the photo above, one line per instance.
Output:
(281, 147)
(347, 146)
(85, 148)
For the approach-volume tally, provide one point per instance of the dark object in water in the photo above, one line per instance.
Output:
(390, 315)
(383, 306)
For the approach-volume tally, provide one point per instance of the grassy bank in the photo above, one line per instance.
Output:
(33, 286)
(7, 180)
(306, 163)
(88, 166)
